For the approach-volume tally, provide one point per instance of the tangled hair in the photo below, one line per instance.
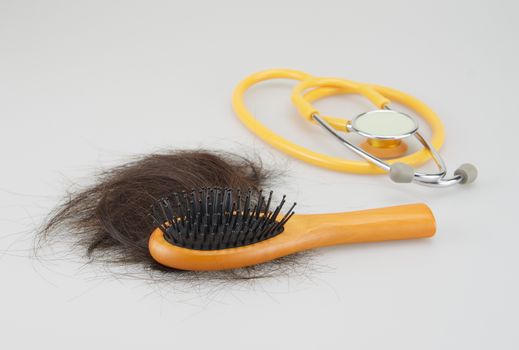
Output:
(110, 220)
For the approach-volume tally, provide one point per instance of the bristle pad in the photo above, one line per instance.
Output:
(216, 218)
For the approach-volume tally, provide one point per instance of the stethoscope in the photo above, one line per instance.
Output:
(385, 129)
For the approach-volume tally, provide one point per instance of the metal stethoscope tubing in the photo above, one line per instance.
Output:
(401, 172)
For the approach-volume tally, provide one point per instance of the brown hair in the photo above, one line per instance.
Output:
(110, 219)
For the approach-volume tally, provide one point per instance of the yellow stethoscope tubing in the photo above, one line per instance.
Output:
(323, 87)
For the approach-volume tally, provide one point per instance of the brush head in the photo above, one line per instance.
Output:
(215, 218)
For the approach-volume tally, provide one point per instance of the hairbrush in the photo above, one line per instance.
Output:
(219, 229)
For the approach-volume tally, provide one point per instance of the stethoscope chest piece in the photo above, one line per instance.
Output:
(383, 124)
(385, 131)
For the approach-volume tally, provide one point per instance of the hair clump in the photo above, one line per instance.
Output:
(110, 219)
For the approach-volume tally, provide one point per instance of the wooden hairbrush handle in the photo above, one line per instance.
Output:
(372, 225)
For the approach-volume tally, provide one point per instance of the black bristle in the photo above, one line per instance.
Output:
(213, 218)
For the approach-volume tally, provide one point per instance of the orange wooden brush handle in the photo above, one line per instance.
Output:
(372, 225)
(304, 232)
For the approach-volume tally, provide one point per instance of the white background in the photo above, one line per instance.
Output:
(87, 84)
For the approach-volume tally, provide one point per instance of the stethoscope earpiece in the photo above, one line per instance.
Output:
(401, 173)
(468, 173)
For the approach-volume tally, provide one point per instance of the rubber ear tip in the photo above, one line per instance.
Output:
(468, 173)
(401, 173)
